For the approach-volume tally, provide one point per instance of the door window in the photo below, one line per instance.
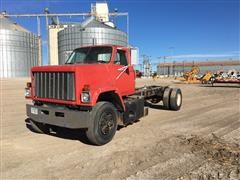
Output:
(120, 58)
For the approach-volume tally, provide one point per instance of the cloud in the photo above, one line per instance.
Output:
(236, 52)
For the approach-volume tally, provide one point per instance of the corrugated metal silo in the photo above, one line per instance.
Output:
(18, 49)
(91, 32)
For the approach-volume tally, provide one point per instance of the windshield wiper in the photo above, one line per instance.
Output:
(102, 61)
(79, 63)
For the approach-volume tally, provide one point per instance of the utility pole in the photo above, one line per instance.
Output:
(164, 62)
(173, 66)
(171, 55)
(39, 42)
(46, 11)
(158, 65)
(183, 66)
(146, 65)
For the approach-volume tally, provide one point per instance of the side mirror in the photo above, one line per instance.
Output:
(134, 56)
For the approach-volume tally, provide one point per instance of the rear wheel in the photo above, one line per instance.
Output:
(39, 127)
(175, 99)
(166, 98)
(103, 123)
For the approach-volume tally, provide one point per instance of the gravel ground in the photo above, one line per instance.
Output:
(201, 141)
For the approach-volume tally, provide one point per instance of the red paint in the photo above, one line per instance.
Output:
(98, 77)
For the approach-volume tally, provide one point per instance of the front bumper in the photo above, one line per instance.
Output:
(61, 117)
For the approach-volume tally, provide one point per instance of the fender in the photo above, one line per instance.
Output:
(100, 91)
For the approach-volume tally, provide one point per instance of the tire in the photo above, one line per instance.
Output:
(212, 81)
(102, 124)
(204, 81)
(176, 99)
(39, 127)
(166, 98)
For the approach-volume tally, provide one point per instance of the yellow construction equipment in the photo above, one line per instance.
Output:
(206, 78)
(190, 76)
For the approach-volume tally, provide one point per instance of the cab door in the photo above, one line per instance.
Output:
(124, 75)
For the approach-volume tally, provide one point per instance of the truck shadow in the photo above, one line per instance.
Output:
(64, 133)
(220, 86)
(155, 106)
(70, 134)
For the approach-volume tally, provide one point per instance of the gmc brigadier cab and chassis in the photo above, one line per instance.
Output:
(95, 91)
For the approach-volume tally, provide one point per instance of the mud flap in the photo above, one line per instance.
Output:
(145, 111)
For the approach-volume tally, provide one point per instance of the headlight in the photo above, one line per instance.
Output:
(85, 97)
(28, 92)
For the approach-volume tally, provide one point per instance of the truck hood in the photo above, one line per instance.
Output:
(69, 67)
(94, 75)
(84, 73)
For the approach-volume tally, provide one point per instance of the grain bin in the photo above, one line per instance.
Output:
(18, 49)
(90, 32)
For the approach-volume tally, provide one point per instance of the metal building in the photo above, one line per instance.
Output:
(90, 32)
(19, 49)
(178, 68)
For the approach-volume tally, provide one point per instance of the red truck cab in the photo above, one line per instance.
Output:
(94, 90)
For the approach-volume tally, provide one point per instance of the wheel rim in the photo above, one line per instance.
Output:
(179, 99)
(106, 123)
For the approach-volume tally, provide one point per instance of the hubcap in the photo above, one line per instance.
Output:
(106, 123)
(179, 99)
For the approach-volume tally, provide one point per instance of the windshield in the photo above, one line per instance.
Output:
(89, 55)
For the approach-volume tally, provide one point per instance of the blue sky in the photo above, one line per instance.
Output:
(183, 29)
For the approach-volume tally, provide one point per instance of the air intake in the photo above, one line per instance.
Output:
(54, 85)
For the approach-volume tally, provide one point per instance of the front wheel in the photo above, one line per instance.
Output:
(102, 124)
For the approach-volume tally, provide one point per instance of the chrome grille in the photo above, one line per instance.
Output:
(54, 85)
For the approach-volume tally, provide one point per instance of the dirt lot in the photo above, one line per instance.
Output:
(201, 141)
